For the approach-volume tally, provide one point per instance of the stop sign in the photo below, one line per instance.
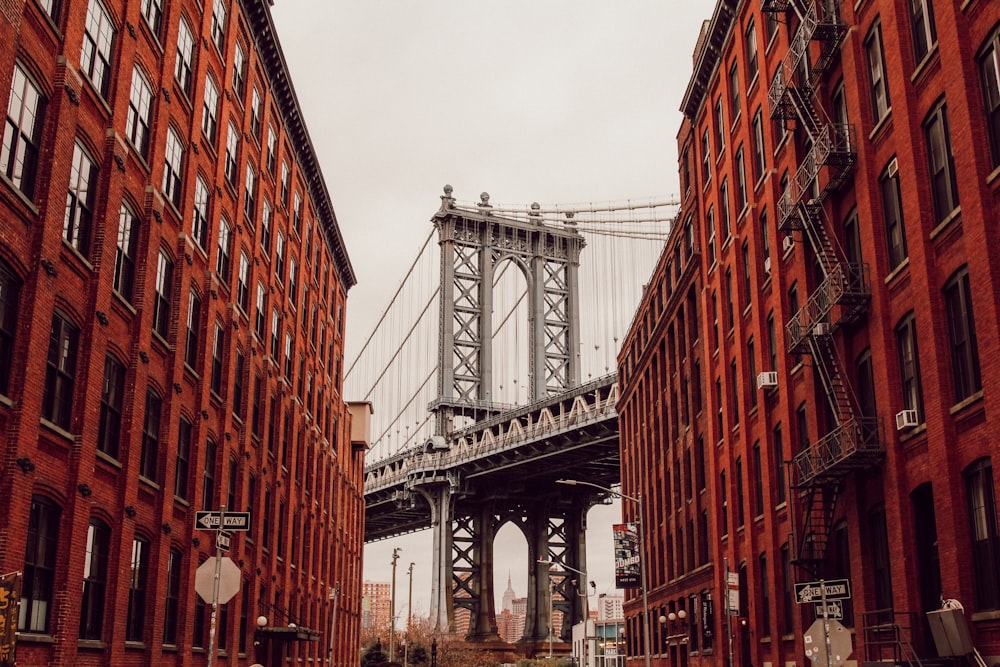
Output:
(229, 580)
(840, 644)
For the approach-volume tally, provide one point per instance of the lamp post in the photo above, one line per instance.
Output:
(392, 607)
(586, 603)
(409, 618)
(642, 554)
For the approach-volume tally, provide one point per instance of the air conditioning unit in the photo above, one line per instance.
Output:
(906, 419)
(893, 168)
(767, 265)
(821, 329)
(788, 243)
(767, 379)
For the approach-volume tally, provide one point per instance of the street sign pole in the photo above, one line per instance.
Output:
(215, 591)
(826, 624)
(729, 615)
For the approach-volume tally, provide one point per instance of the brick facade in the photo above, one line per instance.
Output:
(99, 336)
(868, 454)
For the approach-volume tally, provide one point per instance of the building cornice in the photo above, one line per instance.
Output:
(708, 56)
(258, 14)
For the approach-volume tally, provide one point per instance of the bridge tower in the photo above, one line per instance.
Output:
(473, 242)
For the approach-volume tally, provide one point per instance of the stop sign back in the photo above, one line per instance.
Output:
(229, 580)
(815, 644)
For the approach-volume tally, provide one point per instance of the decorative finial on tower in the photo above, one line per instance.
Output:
(447, 201)
(536, 212)
(484, 200)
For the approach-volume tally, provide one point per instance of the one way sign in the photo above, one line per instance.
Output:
(816, 591)
(213, 520)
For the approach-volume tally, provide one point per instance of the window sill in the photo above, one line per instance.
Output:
(965, 403)
(57, 430)
(891, 278)
(109, 459)
(882, 123)
(991, 615)
(133, 645)
(923, 69)
(944, 224)
(35, 638)
(921, 429)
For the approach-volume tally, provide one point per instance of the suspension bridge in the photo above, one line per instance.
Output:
(492, 375)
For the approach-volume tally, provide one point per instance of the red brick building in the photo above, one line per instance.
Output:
(172, 291)
(810, 384)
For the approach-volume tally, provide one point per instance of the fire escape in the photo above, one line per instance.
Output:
(842, 295)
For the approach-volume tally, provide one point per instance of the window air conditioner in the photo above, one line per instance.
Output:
(821, 329)
(893, 168)
(906, 419)
(767, 265)
(767, 379)
(788, 243)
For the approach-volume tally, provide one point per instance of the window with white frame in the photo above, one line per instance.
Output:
(210, 110)
(140, 112)
(184, 60)
(152, 11)
(250, 194)
(125, 252)
(164, 290)
(199, 221)
(878, 85)
(223, 250)
(80, 199)
(239, 72)
(219, 24)
(256, 113)
(98, 38)
(243, 283)
(941, 162)
(989, 75)
(922, 27)
(22, 133)
(172, 164)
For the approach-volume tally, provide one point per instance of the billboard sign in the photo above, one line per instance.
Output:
(627, 572)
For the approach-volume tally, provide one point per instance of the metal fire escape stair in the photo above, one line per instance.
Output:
(818, 471)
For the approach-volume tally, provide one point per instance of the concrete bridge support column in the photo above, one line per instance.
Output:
(439, 497)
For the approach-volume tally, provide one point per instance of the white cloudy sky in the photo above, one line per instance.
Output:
(556, 101)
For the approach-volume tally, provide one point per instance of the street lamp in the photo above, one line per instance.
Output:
(392, 607)
(642, 554)
(586, 601)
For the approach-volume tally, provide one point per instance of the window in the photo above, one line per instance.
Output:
(219, 25)
(284, 190)
(257, 415)
(250, 195)
(962, 336)
(152, 11)
(243, 283)
(256, 113)
(41, 547)
(989, 74)
(746, 261)
(909, 365)
(765, 597)
(193, 329)
(125, 253)
(265, 227)
(182, 462)
(140, 112)
(879, 87)
(788, 589)
(22, 134)
(724, 495)
(260, 321)
(10, 296)
(983, 530)
(779, 465)
(726, 227)
(218, 352)
(710, 220)
(279, 257)
(112, 397)
(734, 396)
(752, 372)
(734, 92)
(751, 53)
(720, 126)
(706, 158)
(759, 160)
(239, 72)
(172, 599)
(60, 372)
(98, 36)
(173, 162)
(184, 61)
(730, 310)
(138, 576)
(80, 200)
(758, 491)
(232, 154)
(95, 579)
(765, 235)
(275, 334)
(238, 371)
(922, 26)
(222, 259)
(895, 231)
(865, 372)
(208, 474)
(288, 358)
(210, 115)
(292, 271)
(161, 301)
(944, 186)
(199, 221)
(881, 560)
(150, 455)
(741, 180)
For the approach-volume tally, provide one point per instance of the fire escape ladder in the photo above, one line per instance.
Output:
(838, 393)
(819, 508)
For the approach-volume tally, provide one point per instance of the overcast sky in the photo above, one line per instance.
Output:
(555, 101)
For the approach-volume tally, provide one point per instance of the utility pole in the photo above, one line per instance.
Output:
(409, 618)
(392, 607)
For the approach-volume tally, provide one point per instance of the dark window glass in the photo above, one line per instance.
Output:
(881, 563)
(151, 436)
(125, 252)
(78, 220)
(95, 579)
(892, 209)
(112, 397)
(10, 297)
(989, 75)
(909, 366)
(164, 292)
(172, 599)
(60, 373)
(182, 462)
(923, 29)
(962, 336)
(39, 566)
(191, 347)
(208, 475)
(985, 537)
(138, 576)
(879, 87)
(941, 163)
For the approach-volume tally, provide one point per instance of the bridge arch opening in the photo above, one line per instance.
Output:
(511, 359)
(510, 565)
